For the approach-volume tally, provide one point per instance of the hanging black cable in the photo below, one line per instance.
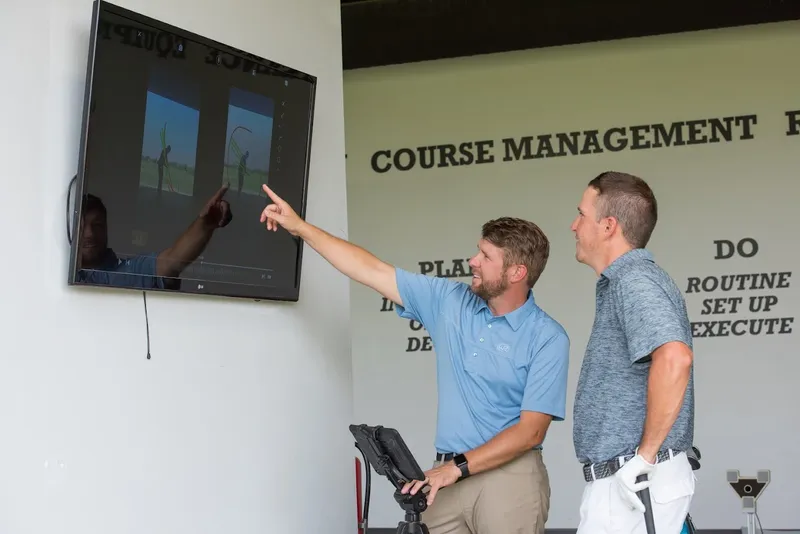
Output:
(69, 197)
(146, 323)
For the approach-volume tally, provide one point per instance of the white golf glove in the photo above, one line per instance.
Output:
(626, 480)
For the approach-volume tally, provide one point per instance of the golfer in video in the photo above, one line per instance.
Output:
(634, 407)
(162, 162)
(242, 169)
(502, 371)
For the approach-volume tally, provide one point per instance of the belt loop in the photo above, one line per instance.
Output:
(591, 469)
(670, 454)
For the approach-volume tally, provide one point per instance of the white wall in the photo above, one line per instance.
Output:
(239, 421)
(746, 389)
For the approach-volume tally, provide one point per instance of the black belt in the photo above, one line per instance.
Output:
(447, 456)
(600, 470)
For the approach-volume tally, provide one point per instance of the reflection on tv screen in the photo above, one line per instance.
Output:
(181, 135)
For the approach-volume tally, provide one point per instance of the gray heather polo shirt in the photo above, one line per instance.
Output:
(638, 308)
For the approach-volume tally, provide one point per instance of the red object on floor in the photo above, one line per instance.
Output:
(358, 496)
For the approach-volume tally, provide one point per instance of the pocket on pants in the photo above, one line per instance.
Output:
(674, 480)
(673, 490)
(671, 496)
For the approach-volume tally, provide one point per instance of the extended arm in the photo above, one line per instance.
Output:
(352, 261)
(215, 214)
(172, 261)
(349, 259)
(666, 387)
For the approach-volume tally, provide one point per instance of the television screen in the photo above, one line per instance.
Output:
(179, 134)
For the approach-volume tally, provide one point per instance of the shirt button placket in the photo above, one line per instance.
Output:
(482, 339)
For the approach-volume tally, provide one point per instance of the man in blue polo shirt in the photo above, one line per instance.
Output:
(634, 406)
(501, 367)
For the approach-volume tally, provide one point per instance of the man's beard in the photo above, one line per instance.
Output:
(489, 290)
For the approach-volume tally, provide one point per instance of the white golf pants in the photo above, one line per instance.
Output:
(604, 511)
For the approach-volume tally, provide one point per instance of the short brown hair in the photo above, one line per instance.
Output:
(523, 243)
(630, 200)
(93, 203)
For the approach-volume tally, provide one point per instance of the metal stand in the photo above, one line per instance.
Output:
(749, 489)
(750, 527)
(413, 505)
(386, 452)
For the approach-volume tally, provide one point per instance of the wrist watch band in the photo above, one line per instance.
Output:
(461, 462)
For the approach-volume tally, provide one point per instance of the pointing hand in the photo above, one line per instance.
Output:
(280, 213)
(217, 211)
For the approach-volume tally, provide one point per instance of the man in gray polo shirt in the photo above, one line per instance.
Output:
(634, 406)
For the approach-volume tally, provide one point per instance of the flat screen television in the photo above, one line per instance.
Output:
(179, 133)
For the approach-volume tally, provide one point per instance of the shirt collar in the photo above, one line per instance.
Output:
(629, 258)
(516, 318)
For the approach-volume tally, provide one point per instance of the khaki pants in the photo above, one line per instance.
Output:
(511, 499)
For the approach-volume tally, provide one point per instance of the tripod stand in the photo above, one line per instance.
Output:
(387, 453)
(413, 505)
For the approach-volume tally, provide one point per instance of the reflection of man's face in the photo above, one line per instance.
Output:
(94, 237)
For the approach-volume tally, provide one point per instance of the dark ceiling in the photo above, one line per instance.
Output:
(386, 32)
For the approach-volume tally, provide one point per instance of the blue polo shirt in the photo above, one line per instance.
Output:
(137, 272)
(489, 368)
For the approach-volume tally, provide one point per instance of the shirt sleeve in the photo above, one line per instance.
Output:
(142, 271)
(422, 296)
(649, 317)
(546, 386)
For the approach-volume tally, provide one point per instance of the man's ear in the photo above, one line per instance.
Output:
(519, 273)
(610, 226)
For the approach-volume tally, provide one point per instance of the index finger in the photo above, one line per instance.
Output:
(275, 198)
(221, 193)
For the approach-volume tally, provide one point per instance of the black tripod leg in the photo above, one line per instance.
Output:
(644, 495)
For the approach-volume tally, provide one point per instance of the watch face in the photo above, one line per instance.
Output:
(461, 461)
